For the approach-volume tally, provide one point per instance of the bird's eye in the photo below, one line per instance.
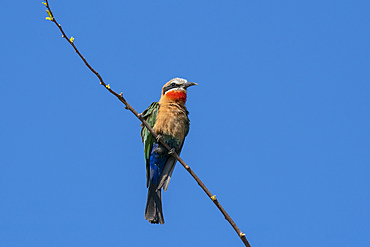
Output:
(173, 84)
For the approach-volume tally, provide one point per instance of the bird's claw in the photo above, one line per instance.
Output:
(172, 151)
(158, 137)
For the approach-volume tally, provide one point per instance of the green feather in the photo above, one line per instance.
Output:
(150, 115)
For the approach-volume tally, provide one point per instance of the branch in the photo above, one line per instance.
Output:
(139, 116)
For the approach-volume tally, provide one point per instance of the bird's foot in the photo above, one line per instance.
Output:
(158, 137)
(172, 151)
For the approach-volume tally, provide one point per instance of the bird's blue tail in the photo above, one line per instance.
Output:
(153, 209)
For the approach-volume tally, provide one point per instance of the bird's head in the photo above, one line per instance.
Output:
(176, 89)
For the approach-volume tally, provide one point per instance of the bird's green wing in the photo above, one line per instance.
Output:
(150, 115)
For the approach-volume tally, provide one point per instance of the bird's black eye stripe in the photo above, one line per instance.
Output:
(172, 85)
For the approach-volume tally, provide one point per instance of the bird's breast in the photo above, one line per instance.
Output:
(172, 120)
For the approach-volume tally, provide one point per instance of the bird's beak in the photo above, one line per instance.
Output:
(188, 84)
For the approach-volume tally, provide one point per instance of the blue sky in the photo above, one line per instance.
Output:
(279, 122)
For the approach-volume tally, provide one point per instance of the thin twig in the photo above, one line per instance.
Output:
(139, 116)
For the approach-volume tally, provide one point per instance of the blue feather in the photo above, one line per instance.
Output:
(158, 158)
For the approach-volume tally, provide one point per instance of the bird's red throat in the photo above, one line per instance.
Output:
(176, 95)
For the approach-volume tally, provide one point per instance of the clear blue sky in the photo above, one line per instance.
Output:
(280, 122)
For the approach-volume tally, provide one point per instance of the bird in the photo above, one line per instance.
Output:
(169, 120)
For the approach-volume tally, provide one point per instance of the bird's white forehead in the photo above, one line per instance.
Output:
(179, 80)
